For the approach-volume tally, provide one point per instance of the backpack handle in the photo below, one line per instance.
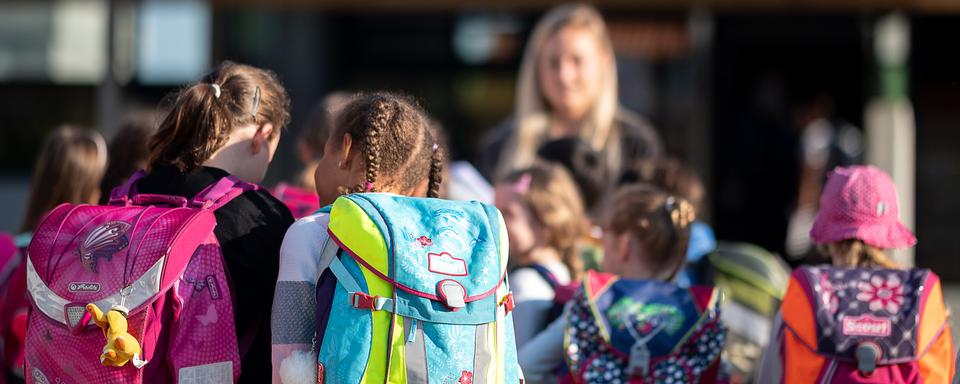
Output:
(153, 199)
(222, 192)
(121, 194)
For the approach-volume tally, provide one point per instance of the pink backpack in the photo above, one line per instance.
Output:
(154, 255)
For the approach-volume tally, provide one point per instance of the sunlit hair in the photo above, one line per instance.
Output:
(856, 253)
(68, 170)
(394, 140)
(655, 220)
(552, 197)
(203, 115)
(532, 112)
(668, 174)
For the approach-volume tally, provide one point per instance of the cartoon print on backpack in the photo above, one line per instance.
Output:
(102, 242)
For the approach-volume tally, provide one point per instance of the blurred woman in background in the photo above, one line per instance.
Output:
(568, 88)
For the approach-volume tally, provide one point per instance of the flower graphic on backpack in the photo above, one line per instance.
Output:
(102, 242)
(882, 294)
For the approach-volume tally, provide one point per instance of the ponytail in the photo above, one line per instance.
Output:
(659, 222)
(203, 115)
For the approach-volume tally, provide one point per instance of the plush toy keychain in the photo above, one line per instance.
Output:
(121, 346)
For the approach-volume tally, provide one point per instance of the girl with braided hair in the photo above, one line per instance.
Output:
(381, 142)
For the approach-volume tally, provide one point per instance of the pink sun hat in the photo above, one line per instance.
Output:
(860, 202)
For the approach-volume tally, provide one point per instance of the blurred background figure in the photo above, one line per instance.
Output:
(128, 151)
(545, 221)
(567, 87)
(68, 170)
(300, 195)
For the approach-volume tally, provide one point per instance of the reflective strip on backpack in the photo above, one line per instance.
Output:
(53, 306)
(415, 352)
(483, 355)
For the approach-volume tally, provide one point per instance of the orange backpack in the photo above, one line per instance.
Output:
(847, 325)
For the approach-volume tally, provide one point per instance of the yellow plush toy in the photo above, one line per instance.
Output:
(121, 346)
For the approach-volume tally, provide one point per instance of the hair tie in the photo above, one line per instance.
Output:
(522, 185)
(435, 147)
(368, 186)
(216, 90)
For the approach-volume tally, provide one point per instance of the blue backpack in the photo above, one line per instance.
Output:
(416, 293)
(641, 331)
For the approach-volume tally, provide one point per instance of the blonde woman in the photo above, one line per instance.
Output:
(568, 88)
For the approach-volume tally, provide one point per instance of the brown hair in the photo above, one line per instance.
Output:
(68, 170)
(856, 253)
(668, 174)
(319, 123)
(553, 199)
(128, 151)
(203, 114)
(394, 141)
(657, 221)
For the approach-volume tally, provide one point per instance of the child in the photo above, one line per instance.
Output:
(229, 123)
(673, 176)
(128, 151)
(300, 195)
(645, 238)
(544, 219)
(864, 317)
(68, 170)
(381, 142)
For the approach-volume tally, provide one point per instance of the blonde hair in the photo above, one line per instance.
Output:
(532, 111)
(659, 222)
(69, 170)
(856, 253)
(550, 193)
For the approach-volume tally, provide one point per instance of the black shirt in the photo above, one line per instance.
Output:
(250, 229)
(638, 140)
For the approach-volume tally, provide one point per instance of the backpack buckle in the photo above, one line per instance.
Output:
(868, 354)
(363, 301)
(508, 303)
(452, 294)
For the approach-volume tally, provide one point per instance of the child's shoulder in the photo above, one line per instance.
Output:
(309, 226)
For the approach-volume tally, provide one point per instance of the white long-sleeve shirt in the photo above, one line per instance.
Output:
(293, 320)
(533, 296)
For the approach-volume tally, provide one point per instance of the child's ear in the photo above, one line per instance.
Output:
(625, 247)
(346, 145)
(261, 137)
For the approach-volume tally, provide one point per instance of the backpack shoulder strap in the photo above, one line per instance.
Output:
(798, 309)
(222, 192)
(546, 275)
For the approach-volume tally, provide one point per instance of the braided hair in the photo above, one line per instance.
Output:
(394, 142)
